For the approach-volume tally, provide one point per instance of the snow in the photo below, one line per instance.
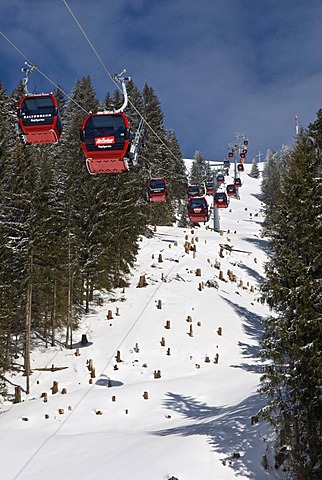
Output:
(197, 415)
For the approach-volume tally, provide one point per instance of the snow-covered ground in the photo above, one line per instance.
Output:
(194, 421)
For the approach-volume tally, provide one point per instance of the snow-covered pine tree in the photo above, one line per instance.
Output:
(292, 340)
(254, 173)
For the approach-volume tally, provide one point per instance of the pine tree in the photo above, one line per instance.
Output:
(254, 173)
(292, 338)
(199, 170)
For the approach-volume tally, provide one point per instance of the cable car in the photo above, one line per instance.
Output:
(240, 167)
(157, 190)
(193, 191)
(221, 200)
(209, 188)
(237, 182)
(226, 164)
(39, 119)
(105, 140)
(246, 143)
(220, 179)
(230, 154)
(198, 209)
(231, 190)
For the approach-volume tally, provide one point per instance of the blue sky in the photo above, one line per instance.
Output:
(218, 67)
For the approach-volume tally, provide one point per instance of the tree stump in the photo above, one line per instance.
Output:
(198, 272)
(113, 398)
(167, 325)
(93, 373)
(109, 315)
(219, 331)
(17, 394)
(117, 312)
(77, 352)
(142, 282)
(61, 411)
(216, 359)
(159, 304)
(64, 391)
(168, 351)
(162, 342)
(118, 356)
(160, 259)
(191, 331)
(54, 388)
(146, 395)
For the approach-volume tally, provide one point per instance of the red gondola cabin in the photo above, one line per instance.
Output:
(230, 154)
(221, 200)
(209, 188)
(193, 191)
(237, 182)
(231, 190)
(39, 119)
(226, 164)
(240, 167)
(105, 140)
(157, 190)
(220, 179)
(198, 210)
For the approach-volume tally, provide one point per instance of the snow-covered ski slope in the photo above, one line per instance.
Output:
(194, 419)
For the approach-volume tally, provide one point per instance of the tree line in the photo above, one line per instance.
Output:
(292, 342)
(64, 234)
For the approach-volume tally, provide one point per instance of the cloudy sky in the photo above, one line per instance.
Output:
(218, 67)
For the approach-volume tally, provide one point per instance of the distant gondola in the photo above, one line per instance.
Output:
(231, 190)
(221, 200)
(237, 182)
(39, 119)
(198, 210)
(157, 190)
(220, 179)
(226, 164)
(209, 188)
(240, 167)
(193, 191)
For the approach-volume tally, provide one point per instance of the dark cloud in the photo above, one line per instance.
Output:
(218, 67)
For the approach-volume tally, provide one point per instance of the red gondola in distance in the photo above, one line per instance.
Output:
(157, 190)
(198, 210)
(209, 188)
(231, 190)
(105, 140)
(193, 191)
(237, 182)
(39, 119)
(221, 200)
(220, 179)
(240, 167)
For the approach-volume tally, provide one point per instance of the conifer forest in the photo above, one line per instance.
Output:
(66, 234)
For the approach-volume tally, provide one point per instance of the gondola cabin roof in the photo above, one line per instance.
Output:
(39, 119)
(105, 140)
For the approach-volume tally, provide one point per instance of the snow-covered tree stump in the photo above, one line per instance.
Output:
(54, 388)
